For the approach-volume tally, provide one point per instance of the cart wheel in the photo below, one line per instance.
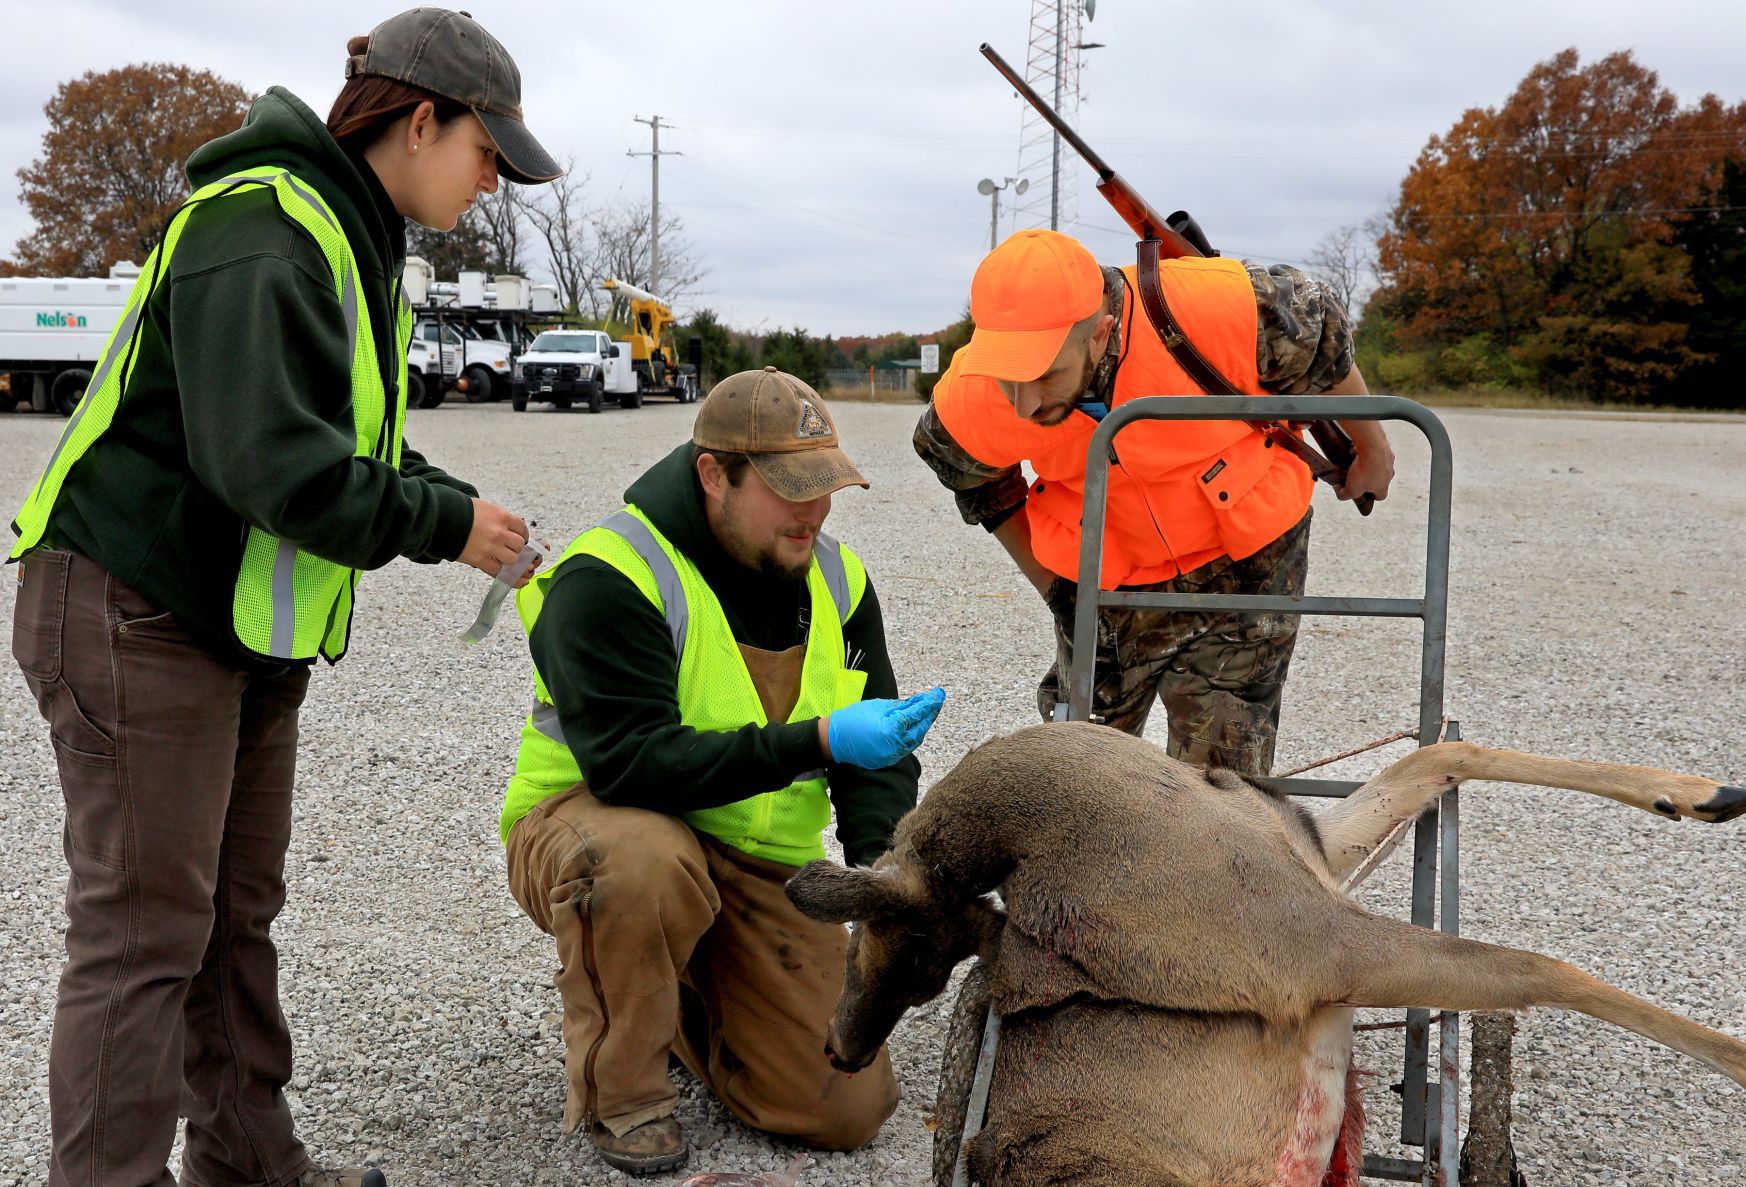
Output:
(1488, 1157)
(958, 1069)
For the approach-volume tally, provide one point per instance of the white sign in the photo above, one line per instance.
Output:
(931, 359)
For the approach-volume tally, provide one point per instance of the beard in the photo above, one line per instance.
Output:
(1054, 414)
(759, 554)
(771, 566)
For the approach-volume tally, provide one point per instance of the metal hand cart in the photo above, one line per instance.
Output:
(1429, 1087)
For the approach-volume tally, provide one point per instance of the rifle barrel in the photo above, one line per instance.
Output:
(1104, 172)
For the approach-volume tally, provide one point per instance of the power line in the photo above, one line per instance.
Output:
(693, 162)
(1719, 138)
(859, 268)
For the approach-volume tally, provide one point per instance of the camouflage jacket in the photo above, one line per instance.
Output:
(1303, 346)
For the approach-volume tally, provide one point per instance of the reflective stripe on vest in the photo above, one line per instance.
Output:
(713, 686)
(825, 551)
(287, 604)
(642, 541)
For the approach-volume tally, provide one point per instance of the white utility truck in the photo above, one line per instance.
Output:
(465, 334)
(52, 330)
(565, 367)
(475, 365)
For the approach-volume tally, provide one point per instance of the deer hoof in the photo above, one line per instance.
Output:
(1726, 804)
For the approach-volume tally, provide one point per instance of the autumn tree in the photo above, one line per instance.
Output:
(1542, 230)
(111, 170)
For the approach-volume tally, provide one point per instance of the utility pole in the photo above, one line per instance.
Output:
(987, 186)
(654, 197)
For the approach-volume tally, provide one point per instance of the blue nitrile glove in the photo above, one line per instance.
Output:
(876, 733)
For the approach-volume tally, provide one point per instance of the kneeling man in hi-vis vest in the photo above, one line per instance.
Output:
(711, 679)
(1193, 506)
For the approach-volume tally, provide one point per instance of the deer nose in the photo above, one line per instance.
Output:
(841, 1064)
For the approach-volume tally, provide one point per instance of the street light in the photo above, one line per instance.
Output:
(987, 186)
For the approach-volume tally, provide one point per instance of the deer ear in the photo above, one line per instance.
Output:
(836, 894)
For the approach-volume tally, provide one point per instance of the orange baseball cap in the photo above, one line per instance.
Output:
(1027, 294)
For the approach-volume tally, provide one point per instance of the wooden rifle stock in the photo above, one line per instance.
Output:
(1159, 239)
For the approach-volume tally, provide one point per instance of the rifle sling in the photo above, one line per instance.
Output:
(1206, 376)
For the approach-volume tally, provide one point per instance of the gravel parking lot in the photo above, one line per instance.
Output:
(1596, 612)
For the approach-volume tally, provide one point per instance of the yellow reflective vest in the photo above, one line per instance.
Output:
(288, 605)
(715, 689)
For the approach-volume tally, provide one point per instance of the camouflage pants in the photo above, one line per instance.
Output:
(1220, 675)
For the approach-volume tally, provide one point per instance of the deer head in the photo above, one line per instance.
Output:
(906, 943)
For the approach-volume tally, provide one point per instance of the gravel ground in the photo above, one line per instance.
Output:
(1595, 613)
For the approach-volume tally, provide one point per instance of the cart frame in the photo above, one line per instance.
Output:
(1429, 1093)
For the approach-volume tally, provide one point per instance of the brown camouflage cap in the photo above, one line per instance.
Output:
(782, 425)
(450, 54)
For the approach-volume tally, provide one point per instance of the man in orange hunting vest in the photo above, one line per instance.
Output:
(1194, 506)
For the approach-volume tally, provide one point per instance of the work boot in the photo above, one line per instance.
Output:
(650, 1148)
(351, 1177)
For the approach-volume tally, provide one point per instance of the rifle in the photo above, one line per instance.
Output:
(1171, 238)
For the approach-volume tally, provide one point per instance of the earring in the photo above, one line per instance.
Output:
(415, 148)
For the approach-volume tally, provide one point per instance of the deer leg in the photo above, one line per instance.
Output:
(1394, 964)
(1364, 825)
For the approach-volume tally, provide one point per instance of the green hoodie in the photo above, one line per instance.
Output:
(239, 408)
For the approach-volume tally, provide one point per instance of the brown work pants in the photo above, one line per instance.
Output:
(670, 941)
(177, 772)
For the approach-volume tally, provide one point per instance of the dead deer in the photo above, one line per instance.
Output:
(1177, 962)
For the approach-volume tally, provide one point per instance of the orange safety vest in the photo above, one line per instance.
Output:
(1184, 492)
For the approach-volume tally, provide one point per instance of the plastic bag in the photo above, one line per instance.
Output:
(501, 586)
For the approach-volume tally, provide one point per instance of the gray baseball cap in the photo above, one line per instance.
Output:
(450, 54)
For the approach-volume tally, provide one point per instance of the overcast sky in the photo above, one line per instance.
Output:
(831, 151)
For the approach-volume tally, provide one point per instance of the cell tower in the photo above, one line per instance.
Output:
(1052, 67)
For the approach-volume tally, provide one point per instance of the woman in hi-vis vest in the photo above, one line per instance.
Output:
(192, 547)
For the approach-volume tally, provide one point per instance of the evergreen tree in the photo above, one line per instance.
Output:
(1715, 241)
